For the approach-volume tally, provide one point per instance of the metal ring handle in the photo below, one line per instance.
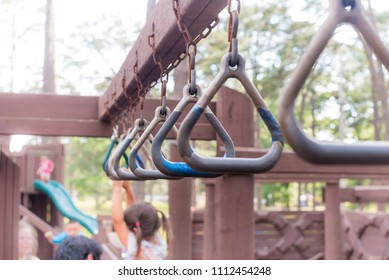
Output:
(136, 169)
(109, 167)
(110, 148)
(318, 151)
(230, 165)
(181, 168)
(107, 157)
(121, 173)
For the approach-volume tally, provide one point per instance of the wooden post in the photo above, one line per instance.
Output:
(9, 208)
(234, 194)
(180, 192)
(209, 245)
(234, 217)
(333, 239)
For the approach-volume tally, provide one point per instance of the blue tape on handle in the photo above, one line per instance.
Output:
(272, 124)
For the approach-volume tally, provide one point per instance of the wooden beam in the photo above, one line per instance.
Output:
(63, 115)
(169, 44)
(26, 105)
(44, 127)
(35, 220)
(365, 194)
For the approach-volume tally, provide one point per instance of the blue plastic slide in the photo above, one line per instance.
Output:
(62, 200)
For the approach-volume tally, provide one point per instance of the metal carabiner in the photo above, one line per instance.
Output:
(182, 168)
(117, 172)
(374, 152)
(230, 165)
(160, 116)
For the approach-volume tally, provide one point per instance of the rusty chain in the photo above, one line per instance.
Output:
(190, 51)
(233, 23)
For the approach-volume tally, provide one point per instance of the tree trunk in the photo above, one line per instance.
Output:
(384, 100)
(380, 82)
(341, 101)
(49, 62)
(181, 74)
(381, 85)
(374, 88)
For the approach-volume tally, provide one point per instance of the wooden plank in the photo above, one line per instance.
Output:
(365, 194)
(35, 221)
(56, 115)
(169, 43)
(16, 201)
(39, 204)
(9, 201)
(47, 127)
(3, 225)
(27, 105)
(372, 194)
(66, 107)
(11, 219)
(302, 177)
(79, 128)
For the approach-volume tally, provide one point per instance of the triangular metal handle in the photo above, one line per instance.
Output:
(135, 168)
(230, 165)
(117, 172)
(320, 151)
(107, 155)
(182, 168)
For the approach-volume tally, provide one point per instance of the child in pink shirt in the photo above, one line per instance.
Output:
(46, 166)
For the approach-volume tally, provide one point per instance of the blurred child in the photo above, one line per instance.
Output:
(72, 229)
(137, 227)
(46, 167)
(27, 242)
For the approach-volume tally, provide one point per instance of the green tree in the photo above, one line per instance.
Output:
(84, 173)
(88, 68)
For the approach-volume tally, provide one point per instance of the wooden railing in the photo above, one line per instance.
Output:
(291, 235)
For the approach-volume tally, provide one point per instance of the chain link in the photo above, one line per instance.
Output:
(190, 48)
(156, 57)
(233, 23)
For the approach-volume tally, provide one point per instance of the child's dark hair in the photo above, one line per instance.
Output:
(78, 248)
(144, 217)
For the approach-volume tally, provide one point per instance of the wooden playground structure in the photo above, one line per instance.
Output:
(228, 227)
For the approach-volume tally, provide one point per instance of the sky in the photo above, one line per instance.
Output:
(69, 15)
